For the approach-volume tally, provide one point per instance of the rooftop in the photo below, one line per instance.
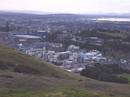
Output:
(27, 36)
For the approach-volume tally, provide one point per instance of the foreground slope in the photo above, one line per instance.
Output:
(25, 76)
(10, 60)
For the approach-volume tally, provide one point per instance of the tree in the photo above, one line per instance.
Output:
(104, 73)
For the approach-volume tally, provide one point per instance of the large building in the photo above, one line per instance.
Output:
(26, 40)
(40, 33)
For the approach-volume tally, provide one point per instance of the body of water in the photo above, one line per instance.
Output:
(114, 19)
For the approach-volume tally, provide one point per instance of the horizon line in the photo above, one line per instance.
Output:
(44, 12)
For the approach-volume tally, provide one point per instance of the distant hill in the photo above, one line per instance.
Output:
(96, 15)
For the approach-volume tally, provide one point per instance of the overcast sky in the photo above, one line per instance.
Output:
(68, 6)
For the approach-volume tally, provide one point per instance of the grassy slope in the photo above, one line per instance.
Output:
(9, 56)
(114, 34)
(50, 81)
(126, 76)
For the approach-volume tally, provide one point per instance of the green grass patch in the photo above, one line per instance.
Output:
(114, 34)
(60, 92)
(126, 76)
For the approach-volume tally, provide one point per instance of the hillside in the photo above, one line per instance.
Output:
(25, 76)
(20, 63)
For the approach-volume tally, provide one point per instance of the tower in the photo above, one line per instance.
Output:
(7, 28)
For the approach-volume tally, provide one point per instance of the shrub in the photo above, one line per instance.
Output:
(25, 69)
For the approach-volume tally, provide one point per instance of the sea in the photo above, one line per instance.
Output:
(114, 19)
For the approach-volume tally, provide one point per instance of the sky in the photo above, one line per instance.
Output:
(68, 6)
